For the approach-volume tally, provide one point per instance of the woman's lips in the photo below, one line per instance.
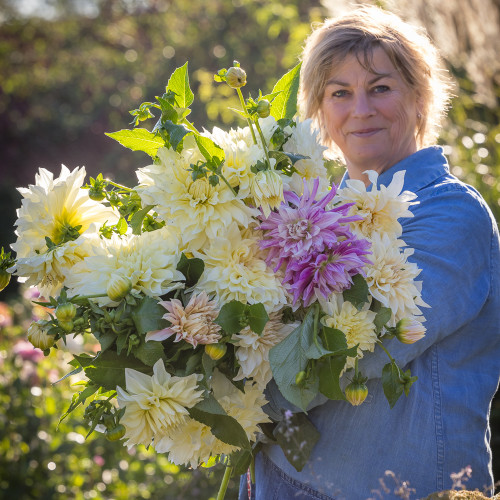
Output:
(365, 132)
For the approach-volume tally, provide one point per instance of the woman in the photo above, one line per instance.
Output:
(374, 86)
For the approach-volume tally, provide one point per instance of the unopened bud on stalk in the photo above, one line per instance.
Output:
(236, 77)
(356, 393)
(67, 326)
(409, 330)
(263, 108)
(216, 351)
(66, 311)
(39, 337)
(118, 287)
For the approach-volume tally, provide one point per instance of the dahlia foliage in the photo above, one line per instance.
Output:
(232, 262)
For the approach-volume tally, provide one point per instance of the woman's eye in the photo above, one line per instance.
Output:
(380, 89)
(339, 93)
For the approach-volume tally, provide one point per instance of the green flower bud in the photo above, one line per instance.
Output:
(216, 351)
(300, 378)
(263, 108)
(118, 287)
(39, 337)
(356, 393)
(4, 279)
(236, 77)
(66, 311)
(67, 326)
(96, 194)
(115, 433)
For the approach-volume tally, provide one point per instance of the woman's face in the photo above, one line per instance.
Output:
(370, 116)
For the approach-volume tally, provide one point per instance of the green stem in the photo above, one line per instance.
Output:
(227, 184)
(386, 351)
(244, 108)
(315, 326)
(225, 482)
(252, 471)
(190, 126)
(119, 186)
(263, 140)
(356, 368)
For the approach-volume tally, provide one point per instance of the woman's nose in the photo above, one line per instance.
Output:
(362, 105)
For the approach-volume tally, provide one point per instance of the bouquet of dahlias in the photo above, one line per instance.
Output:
(232, 262)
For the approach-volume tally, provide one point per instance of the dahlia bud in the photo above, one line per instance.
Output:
(39, 337)
(216, 351)
(267, 190)
(67, 326)
(409, 330)
(356, 393)
(118, 287)
(236, 77)
(263, 108)
(66, 311)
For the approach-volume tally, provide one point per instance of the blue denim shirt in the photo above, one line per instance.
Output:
(442, 426)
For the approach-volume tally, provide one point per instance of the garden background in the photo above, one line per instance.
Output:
(71, 70)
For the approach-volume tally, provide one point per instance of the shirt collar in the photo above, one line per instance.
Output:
(422, 168)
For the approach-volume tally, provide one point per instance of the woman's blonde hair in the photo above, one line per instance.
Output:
(358, 33)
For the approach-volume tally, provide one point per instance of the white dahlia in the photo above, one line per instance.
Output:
(391, 278)
(252, 349)
(155, 404)
(357, 326)
(192, 442)
(305, 140)
(380, 208)
(60, 210)
(200, 209)
(149, 261)
(235, 270)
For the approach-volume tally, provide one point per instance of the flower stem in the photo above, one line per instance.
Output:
(227, 184)
(386, 351)
(263, 140)
(242, 101)
(252, 471)
(225, 481)
(315, 326)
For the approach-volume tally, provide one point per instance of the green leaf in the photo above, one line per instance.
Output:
(149, 352)
(179, 84)
(122, 226)
(240, 461)
(147, 316)
(226, 428)
(138, 139)
(106, 339)
(257, 317)
(208, 365)
(232, 317)
(383, 316)
(331, 367)
(289, 158)
(176, 133)
(78, 399)
(73, 372)
(192, 269)
(137, 218)
(209, 149)
(285, 104)
(392, 383)
(290, 356)
(358, 294)
(296, 436)
(107, 369)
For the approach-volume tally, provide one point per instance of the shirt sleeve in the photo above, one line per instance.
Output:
(451, 234)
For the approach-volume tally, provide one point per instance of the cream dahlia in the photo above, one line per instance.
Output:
(252, 350)
(155, 404)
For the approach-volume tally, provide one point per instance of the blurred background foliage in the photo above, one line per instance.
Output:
(70, 71)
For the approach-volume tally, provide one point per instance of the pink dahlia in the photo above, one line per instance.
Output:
(326, 272)
(302, 226)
